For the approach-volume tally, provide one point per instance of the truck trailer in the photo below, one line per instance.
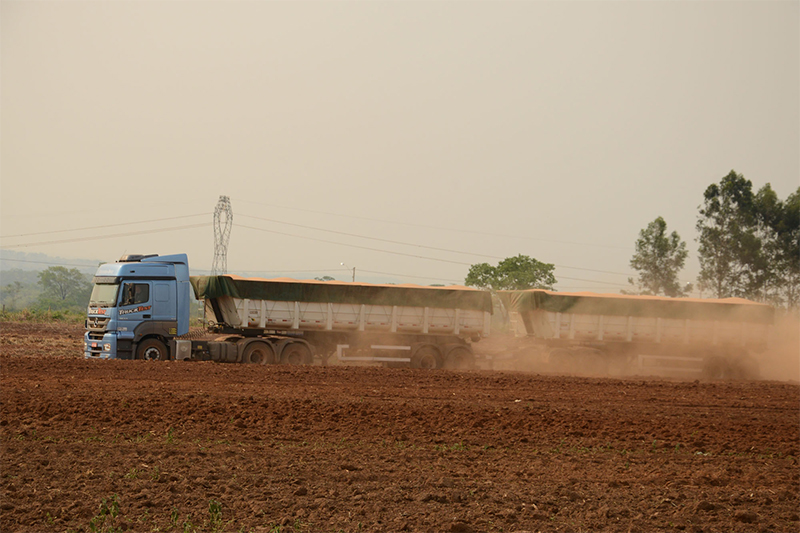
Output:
(609, 334)
(140, 305)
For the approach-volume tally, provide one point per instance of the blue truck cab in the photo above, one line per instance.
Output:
(138, 306)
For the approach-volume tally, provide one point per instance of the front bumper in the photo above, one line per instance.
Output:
(99, 348)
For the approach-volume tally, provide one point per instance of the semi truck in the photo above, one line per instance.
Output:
(609, 334)
(140, 308)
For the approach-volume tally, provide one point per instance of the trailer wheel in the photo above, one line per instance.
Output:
(258, 353)
(459, 358)
(737, 367)
(591, 362)
(296, 353)
(426, 357)
(560, 360)
(747, 368)
(152, 350)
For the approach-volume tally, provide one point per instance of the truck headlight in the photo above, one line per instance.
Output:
(107, 347)
(85, 346)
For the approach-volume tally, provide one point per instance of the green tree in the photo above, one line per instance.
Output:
(778, 227)
(789, 256)
(10, 294)
(63, 287)
(658, 259)
(732, 262)
(512, 273)
(20, 288)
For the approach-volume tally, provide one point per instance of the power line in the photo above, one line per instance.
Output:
(159, 230)
(110, 236)
(437, 227)
(401, 253)
(353, 245)
(371, 238)
(472, 254)
(46, 263)
(408, 276)
(578, 289)
(462, 281)
(293, 271)
(31, 213)
(316, 270)
(100, 227)
(613, 284)
(449, 280)
(325, 270)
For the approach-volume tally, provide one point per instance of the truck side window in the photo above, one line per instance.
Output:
(135, 293)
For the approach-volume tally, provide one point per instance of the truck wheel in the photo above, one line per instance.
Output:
(459, 358)
(426, 357)
(258, 353)
(716, 367)
(152, 350)
(296, 353)
(747, 368)
(591, 362)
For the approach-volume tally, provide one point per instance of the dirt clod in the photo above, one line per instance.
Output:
(747, 517)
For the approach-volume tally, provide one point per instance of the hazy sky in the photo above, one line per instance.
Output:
(405, 139)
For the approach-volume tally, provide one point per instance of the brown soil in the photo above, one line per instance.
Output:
(178, 446)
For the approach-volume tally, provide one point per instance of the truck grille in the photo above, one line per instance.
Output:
(97, 323)
(95, 336)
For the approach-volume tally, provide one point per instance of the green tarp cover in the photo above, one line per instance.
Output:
(290, 290)
(732, 309)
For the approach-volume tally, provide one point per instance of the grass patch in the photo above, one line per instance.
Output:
(41, 316)
(105, 521)
(457, 447)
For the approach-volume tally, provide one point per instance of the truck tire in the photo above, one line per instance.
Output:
(296, 353)
(152, 350)
(591, 362)
(715, 367)
(459, 358)
(427, 356)
(258, 353)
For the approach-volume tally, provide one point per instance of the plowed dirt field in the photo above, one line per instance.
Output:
(179, 446)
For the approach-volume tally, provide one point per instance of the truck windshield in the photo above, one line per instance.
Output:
(104, 295)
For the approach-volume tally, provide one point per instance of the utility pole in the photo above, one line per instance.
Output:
(353, 269)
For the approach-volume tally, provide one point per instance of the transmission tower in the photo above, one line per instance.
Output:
(223, 220)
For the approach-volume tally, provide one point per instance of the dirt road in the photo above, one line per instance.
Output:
(171, 446)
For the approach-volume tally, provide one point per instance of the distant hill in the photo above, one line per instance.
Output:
(13, 260)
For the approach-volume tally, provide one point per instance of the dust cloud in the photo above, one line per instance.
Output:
(781, 360)
(776, 358)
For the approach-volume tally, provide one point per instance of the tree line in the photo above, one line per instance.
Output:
(748, 247)
(56, 288)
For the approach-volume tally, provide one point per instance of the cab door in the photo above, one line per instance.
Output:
(135, 304)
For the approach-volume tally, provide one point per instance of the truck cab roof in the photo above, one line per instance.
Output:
(151, 266)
